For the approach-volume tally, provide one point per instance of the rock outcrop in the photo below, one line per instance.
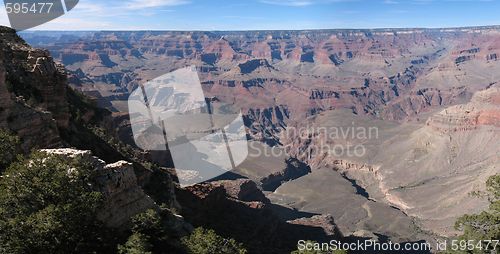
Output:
(254, 65)
(242, 189)
(123, 197)
(325, 222)
(483, 110)
(265, 124)
(256, 224)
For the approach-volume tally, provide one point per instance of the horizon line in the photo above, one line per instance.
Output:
(381, 29)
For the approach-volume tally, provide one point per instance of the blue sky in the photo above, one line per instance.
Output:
(271, 14)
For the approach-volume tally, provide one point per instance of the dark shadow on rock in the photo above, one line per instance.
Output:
(294, 169)
(286, 214)
(254, 224)
(229, 176)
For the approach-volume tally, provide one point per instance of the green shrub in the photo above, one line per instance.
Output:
(150, 230)
(137, 243)
(149, 223)
(47, 205)
(203, 241)
(9, 147)
(485, 225)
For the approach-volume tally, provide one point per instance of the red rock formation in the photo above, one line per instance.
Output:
(222, 49)
(483, 110)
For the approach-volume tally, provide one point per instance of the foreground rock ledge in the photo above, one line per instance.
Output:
(123, 197)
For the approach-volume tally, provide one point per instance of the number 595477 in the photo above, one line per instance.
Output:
(25, 8)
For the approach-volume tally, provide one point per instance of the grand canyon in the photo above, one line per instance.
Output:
(414, 112)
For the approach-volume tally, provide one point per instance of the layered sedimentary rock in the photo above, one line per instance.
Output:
(483, 110)
(33, 90)
(294, 169)
(279, 78)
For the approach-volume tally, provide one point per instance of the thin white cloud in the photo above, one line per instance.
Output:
(288, 2)
(90, 15)
(242, 17)
(142, 4)
(422, 1)
(300, 3)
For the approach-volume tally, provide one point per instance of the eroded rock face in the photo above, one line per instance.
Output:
(264, 124)
(421, 101)
(424, 168)
(254, 65)
(483, 110)
(33, 92)
(124, 198)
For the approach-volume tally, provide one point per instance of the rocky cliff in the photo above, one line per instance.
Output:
(38, 106)
(33, 92)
